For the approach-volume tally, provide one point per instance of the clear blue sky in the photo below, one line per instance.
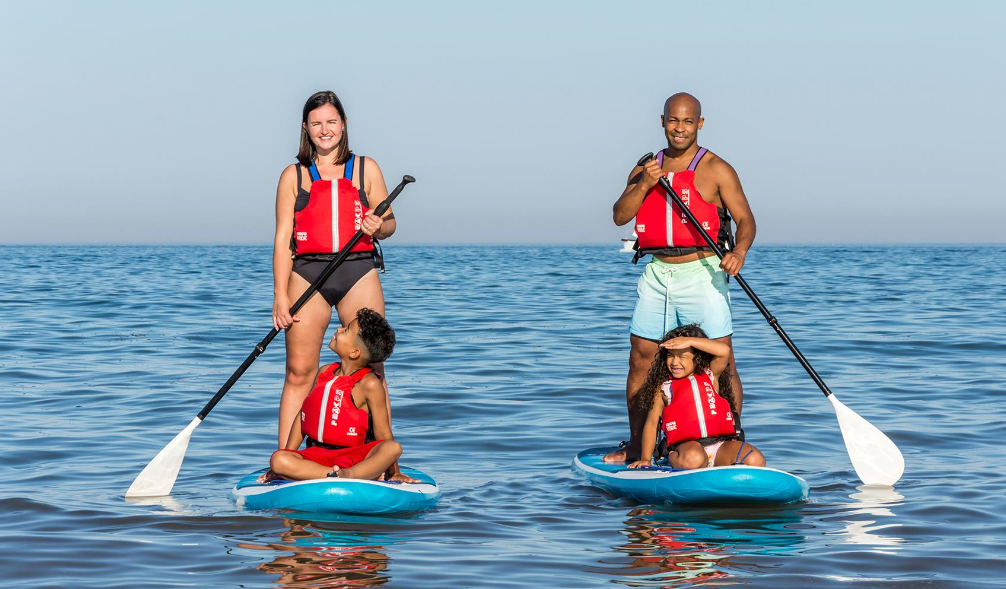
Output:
(169, 122)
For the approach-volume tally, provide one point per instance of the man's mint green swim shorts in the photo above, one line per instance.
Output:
(672, 295)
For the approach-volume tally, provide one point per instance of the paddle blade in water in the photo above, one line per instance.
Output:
(874, 456)
(159, 476)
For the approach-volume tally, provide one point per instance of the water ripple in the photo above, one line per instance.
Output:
(509, 363)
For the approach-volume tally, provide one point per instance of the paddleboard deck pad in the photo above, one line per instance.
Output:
(663, 484)
(334, 495)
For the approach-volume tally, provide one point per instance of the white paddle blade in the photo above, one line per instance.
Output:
(874, 456)
(159, 476)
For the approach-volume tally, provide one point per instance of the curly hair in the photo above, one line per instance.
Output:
(375, 335)
(659, 373)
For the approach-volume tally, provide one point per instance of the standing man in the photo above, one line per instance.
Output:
(685, 282)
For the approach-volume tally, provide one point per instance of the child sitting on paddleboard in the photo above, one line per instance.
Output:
(334, 417)
(682, 389)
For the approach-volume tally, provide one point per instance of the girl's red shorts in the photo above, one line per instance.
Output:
(343, 458)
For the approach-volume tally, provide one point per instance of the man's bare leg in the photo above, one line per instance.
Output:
(641, 354)
(731, 373)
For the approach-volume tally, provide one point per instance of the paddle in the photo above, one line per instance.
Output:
(159, 476)
(874, 456)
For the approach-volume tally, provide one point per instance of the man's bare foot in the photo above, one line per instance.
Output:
(626, 453)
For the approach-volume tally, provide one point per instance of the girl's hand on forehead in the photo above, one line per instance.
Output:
(677, 343)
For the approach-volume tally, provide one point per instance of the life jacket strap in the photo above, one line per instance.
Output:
(315, 176)
(695, 160)
(705, 441)
(349, 167)
(311, 442)
(698, 156)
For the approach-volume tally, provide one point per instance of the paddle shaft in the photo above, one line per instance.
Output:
(740, 280)
(311, 290)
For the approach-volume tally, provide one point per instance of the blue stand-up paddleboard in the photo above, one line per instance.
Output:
(663, 484)
(334, 495)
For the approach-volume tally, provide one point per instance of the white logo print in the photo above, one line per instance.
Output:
(711, 398)
(337, 405)
(671, 426)
(351, 432)
(705, 225)
(302, 236)
(685, 197)
(641, 228)
(358, 212)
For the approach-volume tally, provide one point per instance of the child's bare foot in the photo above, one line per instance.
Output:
(269, 475)
(403, 478)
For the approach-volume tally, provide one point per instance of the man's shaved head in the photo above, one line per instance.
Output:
(683, 99)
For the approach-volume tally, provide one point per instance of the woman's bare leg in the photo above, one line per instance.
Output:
(303, 350)
(367, 292)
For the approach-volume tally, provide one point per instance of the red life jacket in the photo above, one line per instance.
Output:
(696, 410)
(329, 415)
(663, 229)
(332, 216)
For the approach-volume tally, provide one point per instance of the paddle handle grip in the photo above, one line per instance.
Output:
(344, 252)
(772, 321)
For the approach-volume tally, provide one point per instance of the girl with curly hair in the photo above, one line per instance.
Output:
(683, 390)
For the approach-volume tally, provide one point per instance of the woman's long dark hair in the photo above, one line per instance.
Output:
(307, 150)
(659, 373)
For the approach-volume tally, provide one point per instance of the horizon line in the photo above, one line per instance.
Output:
(498, 244)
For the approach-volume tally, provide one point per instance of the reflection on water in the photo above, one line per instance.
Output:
(873, 501)
(309, 555)
(685, 547)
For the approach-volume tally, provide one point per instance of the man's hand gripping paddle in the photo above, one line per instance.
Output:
(159, 476)
(874, 456)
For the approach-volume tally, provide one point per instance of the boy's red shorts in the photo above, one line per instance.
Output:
(343, 458)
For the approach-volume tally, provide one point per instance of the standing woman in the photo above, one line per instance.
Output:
(321, 202)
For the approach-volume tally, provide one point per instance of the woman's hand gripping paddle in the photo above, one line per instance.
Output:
(874, 456)
(159, 475)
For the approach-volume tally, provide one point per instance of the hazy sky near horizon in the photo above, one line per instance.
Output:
(170, 122)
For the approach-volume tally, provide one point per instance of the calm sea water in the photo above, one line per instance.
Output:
(510, 360)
